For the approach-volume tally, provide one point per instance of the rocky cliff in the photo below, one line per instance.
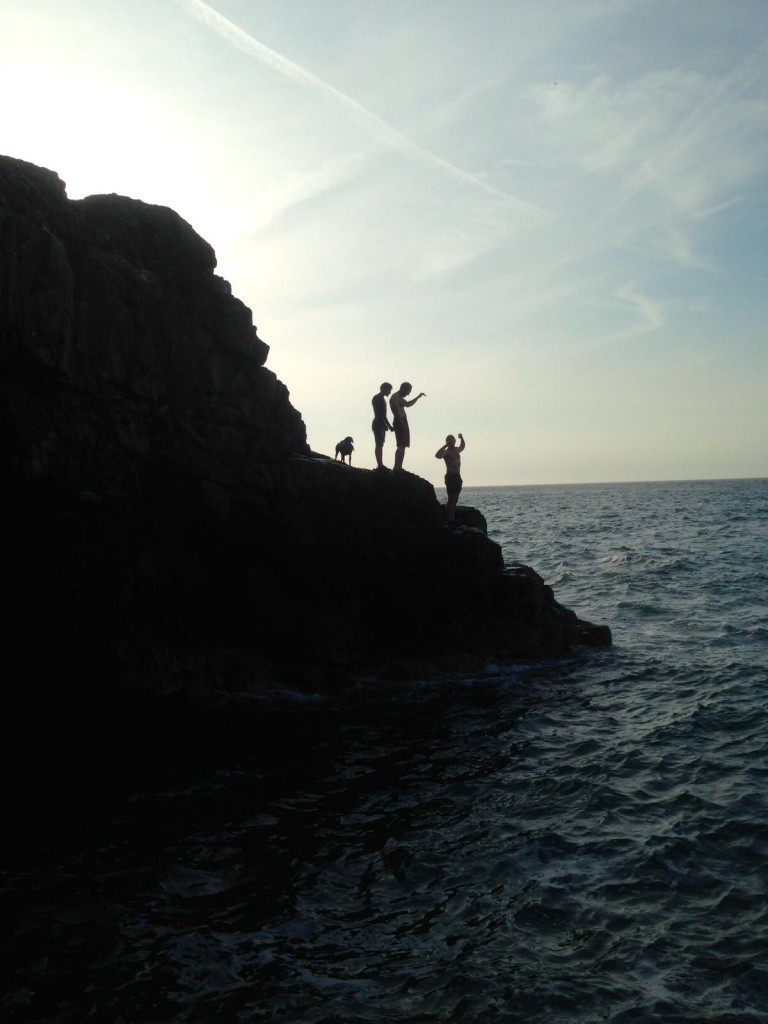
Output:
(169, 528)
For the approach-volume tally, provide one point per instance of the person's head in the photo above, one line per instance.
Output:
(406, 388)
(349, 440)
(450, 440)
(386, 388)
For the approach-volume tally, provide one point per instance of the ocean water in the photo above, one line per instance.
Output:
(580, 841)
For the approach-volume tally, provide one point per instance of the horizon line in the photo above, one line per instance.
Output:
(604, 483)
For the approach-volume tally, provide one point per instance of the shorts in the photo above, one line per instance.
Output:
(379, 432)
(453, 483)
(402, 433)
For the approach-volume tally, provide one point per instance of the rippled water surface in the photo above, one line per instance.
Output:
(579, 841)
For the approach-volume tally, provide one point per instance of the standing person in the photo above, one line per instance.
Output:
(398, 405)
(453, 481)
(380, 424)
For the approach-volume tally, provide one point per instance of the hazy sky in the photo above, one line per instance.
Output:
(549, 215)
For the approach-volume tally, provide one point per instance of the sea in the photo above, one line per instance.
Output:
(577, 841)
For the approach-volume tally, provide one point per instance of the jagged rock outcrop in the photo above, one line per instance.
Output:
(170, 529)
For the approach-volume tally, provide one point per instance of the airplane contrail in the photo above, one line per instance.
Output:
(372, 124)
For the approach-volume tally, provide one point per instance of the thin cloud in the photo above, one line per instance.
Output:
(373, 125)
(645, 315)
(648, 314)
(301, 188)
(712, 128)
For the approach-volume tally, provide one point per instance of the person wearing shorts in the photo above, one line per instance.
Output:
(453, 482)
(398, 404)
(380, 424)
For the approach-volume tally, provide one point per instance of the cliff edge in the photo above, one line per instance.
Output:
(170, 530)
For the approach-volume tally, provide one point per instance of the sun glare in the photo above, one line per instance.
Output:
(98, 136)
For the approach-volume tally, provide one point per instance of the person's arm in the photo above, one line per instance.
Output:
(380, 411)
(440, 453)
(462, 446)
(413, 401)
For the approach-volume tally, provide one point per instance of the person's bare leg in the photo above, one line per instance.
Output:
(399, 456)
(379, 452)
(450, 507)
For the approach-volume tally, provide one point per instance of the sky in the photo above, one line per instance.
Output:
(551, 217)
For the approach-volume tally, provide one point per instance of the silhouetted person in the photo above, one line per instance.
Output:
(344, 449)
(398, 405)
(453, 481)
(380, 424)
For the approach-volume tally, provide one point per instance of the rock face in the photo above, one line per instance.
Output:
(169, 528)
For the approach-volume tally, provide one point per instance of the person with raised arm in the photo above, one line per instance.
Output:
(398, 403)
(453, 482)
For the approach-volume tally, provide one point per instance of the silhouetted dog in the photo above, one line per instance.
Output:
(344, 449)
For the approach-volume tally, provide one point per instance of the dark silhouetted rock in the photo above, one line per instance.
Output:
(169, 529)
